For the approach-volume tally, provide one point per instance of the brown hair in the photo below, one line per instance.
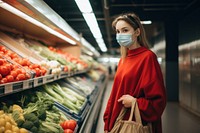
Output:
(134, 21)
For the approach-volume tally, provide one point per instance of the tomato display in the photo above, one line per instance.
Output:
(16, 68)
(69, 125)
(68, 131)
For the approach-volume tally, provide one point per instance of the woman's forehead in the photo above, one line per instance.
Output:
(122, 24)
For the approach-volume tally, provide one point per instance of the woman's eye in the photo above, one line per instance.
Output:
(125, 30)
(122, 31)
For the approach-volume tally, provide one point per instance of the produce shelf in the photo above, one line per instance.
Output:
(12, 87)
(63, 75)
(92, 114)
(80, 115)
(43, 80)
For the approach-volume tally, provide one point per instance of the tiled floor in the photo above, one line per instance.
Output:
(175, 118)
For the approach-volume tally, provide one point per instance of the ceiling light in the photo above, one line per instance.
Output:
(146, 22)
(87, 12)
(84, 6)
(41, 7)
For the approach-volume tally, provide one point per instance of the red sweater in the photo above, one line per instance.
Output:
(139, 76)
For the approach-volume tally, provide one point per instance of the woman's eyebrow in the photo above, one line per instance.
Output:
(123, 28)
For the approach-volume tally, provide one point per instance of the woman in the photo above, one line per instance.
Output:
(138, 76)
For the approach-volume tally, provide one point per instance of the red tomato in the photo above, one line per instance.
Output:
(0, 76)
(3, 49)
(16, 59)
(20, 77)
(65, 69)
(10, 78)
(43, 71)
(14, 74)
(3, 80)
(1, 53)
(13, 55)
(28, 76)
(25, 62)
(18, 70)
(70, 124)
(68, 131)
(1, 61)
(4, 70)
(33, 66)
(37, 72)
(9, 66)
(15, 66)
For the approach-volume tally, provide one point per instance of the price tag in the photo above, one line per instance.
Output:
(25, 84)
(35, 82)
(8, 88)
(44, 80)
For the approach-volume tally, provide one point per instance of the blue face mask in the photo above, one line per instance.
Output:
(124, 39)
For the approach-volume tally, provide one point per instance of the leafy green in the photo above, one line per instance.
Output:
(49, 127)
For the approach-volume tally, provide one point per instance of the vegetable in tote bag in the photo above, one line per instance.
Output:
(129, 126)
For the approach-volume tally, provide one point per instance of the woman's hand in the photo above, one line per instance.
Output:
(126, 100)
(105, 131)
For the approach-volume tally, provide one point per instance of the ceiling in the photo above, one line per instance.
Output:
(158, 11)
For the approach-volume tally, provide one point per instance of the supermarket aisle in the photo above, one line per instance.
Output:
(175, 118)
(100, 124)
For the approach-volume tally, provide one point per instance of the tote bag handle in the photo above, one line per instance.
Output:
(135, 111)
(121, 114)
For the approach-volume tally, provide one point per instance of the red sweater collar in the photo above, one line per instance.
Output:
(136, 51)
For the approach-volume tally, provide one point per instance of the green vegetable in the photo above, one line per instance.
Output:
(45, 52)
(64, 101)
(30, 126)
(32, 107)
(16, 115)
(48, 127)
(34, 129)
(50, 91)
(19, 122)
(41, 114)
(33, 118)
(42, 103)
(5, 108)
(71, 92)
(71, 106)
(30, 116)
(27, 124)
(60, 91)
(63, 117)
(53, 117)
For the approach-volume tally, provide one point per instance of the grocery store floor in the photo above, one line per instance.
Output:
(175, 118)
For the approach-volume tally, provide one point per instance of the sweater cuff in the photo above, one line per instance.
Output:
(105, 125)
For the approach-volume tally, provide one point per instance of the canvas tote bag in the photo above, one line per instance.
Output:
(129, 126)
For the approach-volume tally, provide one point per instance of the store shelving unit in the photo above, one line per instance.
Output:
(13, 87)
(16, 24)
(92, 115)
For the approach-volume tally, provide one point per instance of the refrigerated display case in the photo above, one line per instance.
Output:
(189, 76)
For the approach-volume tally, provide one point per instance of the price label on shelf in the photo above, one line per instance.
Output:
(8, 88)
(25, 84)
(35, 82)
(44, 80)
